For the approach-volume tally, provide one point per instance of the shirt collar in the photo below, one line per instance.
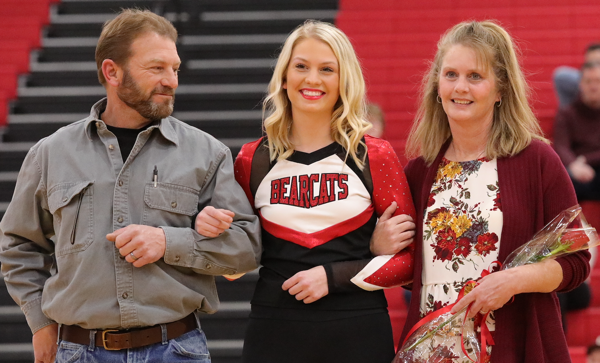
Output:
(164, 126)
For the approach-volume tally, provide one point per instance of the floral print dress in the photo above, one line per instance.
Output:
(461, 230)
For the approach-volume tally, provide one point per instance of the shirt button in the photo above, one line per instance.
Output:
(120, 183)
(98, 124)
(174, 204)
(120, 219)
(176, 258)
(125, 295)
(111, 147)
(65, 199)
(208, 266)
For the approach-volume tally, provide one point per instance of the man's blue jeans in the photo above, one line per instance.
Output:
(190, 347)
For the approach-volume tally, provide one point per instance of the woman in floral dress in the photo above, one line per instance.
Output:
(484, 182)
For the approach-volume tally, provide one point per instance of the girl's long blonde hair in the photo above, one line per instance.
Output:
(514, 124)
(347, 120)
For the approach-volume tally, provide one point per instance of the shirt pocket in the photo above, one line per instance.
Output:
(72, 206)
(169, 205)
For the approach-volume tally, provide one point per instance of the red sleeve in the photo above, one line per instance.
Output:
(389, 181)
(389, 184)
(243, 167)
(558, 196)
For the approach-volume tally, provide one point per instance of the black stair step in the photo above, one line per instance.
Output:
(259, 5)
(104, 6)
(6, 189)
(12, 155)
(68, 53)
(186, 76)
(183, 102)
(13, 326)
(190, 47)
(248, 27)
(229, 322)
(69, 30)
(230, 51)
(5, 299)
(16, 353)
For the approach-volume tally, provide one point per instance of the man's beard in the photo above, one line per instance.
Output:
(133, 96)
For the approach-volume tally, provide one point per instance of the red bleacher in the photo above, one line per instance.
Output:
(21, 22)
(395, 40)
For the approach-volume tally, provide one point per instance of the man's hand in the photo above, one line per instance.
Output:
(44, 344)
(392, 234)
(147, 244)
(309, 285)
(581, 171)
(211, 222)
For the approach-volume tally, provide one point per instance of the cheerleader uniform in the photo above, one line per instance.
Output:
(320, 209)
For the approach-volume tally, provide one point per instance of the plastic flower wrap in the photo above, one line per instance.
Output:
(443, 337)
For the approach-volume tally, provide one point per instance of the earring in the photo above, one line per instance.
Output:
(439, 99)
(499, 103)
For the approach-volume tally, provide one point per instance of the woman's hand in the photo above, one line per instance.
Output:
(392, 234)
(309, 285)
(496, 289)
(492, 293)
(211, 222)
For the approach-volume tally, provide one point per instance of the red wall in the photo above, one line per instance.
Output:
(395, 39)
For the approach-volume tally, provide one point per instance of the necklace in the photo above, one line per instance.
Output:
(456, 155)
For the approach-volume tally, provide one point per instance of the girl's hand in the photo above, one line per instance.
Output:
(211, 222)
(309, 285)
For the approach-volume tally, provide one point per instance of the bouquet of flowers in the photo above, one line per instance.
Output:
(445, 337)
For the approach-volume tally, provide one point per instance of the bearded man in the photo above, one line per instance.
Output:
(97, 245)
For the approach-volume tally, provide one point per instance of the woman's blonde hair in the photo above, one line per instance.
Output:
(347, 120)
(514, 124)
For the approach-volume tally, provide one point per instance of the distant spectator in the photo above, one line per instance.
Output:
(566, 79)
(577, 134)
(577, 141)
(593, 354)
(376, 117)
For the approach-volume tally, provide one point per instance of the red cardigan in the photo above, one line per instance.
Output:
(534, 188)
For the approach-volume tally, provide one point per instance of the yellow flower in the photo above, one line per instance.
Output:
(442, 221)
(452, 170)
(461, 225)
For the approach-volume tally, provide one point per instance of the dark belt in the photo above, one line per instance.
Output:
(126, 339)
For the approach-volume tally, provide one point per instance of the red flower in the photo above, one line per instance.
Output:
(464, 246)
(431, 200)
(438, 305)
(497, 202)
(486, 243)
(446, 243)
(576, 239)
